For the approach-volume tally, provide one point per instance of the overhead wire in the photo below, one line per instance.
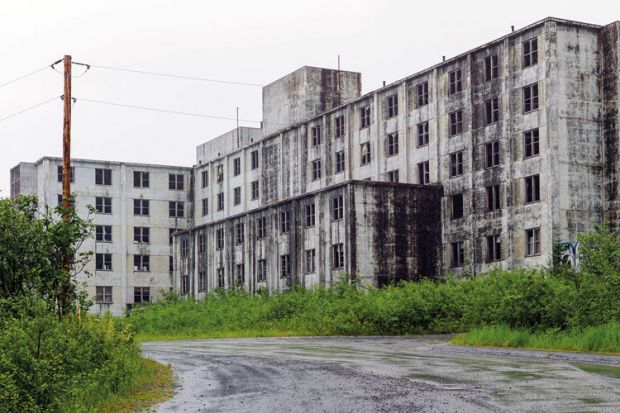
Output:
(204, 79)
(29, 108)
(25, 76)
(175, 112)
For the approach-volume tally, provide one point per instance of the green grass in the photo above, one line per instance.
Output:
(608, 371)
(599, 339)
(154, 384)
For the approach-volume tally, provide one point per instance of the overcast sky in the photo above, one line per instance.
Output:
(247, 41)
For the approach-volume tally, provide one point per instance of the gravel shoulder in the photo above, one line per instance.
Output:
(353, 374)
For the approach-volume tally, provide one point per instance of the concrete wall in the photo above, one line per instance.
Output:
(306, 93)
(123, 277)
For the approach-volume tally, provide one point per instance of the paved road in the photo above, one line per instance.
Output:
(379, 374)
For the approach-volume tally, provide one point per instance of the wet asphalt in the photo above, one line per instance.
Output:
(379, 374)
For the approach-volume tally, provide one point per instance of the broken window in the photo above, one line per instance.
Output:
(316, 169)
(456, 122)
(392, 105)
(337, 208)
(103, 176)
(220, 173)
(392, 176)
(185, 284)
(532, 189)
(391, 143)
(458, 254)
(339, 131)
(202, 281)
(530, 98)
(175, 182)
(340, 161)
(240, 274)
(424, 176)
(204, 178)
(365, 153)
(310, 215)
(141, 179)
(364, 117)
(494, 248)
(103, 262)
(170, 263)
(315, 135)
(176, 209)
(141, 295)
(532, 142)
(71, 173)
(491, 67)
(457, 206)
(422, 94)
(284, 222)
(285, 265)
(310, 261)
(202, 243)
(532, 237)
(493, 198)
(237, 166)
(423, 134)
(492, 110)
(103, 205)
(492, 154)
(254, 159)
(456, 164)
(219, 238)
(220, 277)
(220, 201)
(261, 227)
(142, 235)
(455, 84)
(255, 192)
(239, 233)
(338, 256)
(103, 295)
(237, 195)
(205, 206)
(184, 247)
(103, 233)
(530, 52)
(261, 273)
(141, 263)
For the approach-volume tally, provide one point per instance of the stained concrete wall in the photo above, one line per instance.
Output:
(305, 93)
(389, 232)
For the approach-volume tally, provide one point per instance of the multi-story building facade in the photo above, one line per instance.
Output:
(485, 159)
(519, 135)
(137, 208)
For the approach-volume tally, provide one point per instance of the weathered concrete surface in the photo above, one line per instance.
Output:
(349, 374)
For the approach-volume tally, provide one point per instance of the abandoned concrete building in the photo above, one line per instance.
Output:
(485, 159)
(137, 208)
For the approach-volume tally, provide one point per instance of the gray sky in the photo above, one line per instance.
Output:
(248, 41)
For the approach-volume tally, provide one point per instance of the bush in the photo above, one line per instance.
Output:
(47, 364)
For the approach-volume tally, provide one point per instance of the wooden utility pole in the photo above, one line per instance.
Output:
(66, 142)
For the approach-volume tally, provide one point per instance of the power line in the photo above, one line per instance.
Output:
(145, 72)
(30, 108)
(24, 76)
(175, 112)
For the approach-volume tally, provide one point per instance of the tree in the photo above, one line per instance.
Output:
(32, 245)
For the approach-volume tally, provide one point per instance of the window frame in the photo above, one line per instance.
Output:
(532, 242)
(456, 164)
(103, 233)
(391, 144)
(422, 94)
(337, 207)
(532, 189)
(456, 123)
(458, 254)
(141, 179)
(534, 137)
(455, 81)
(493, 197)
(364, 117)
(491, 67)
(492, 154)
(145, 262)
(392, 105)
(494, 248)
(103, 262)
(423, 130)
(453, 202)
(340, 161)
(365, 158)
(103, 176)
(530, 54)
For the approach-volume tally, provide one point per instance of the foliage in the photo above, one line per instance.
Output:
(603, 338)
(33, 244)
(534, 300)
(48, 364)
